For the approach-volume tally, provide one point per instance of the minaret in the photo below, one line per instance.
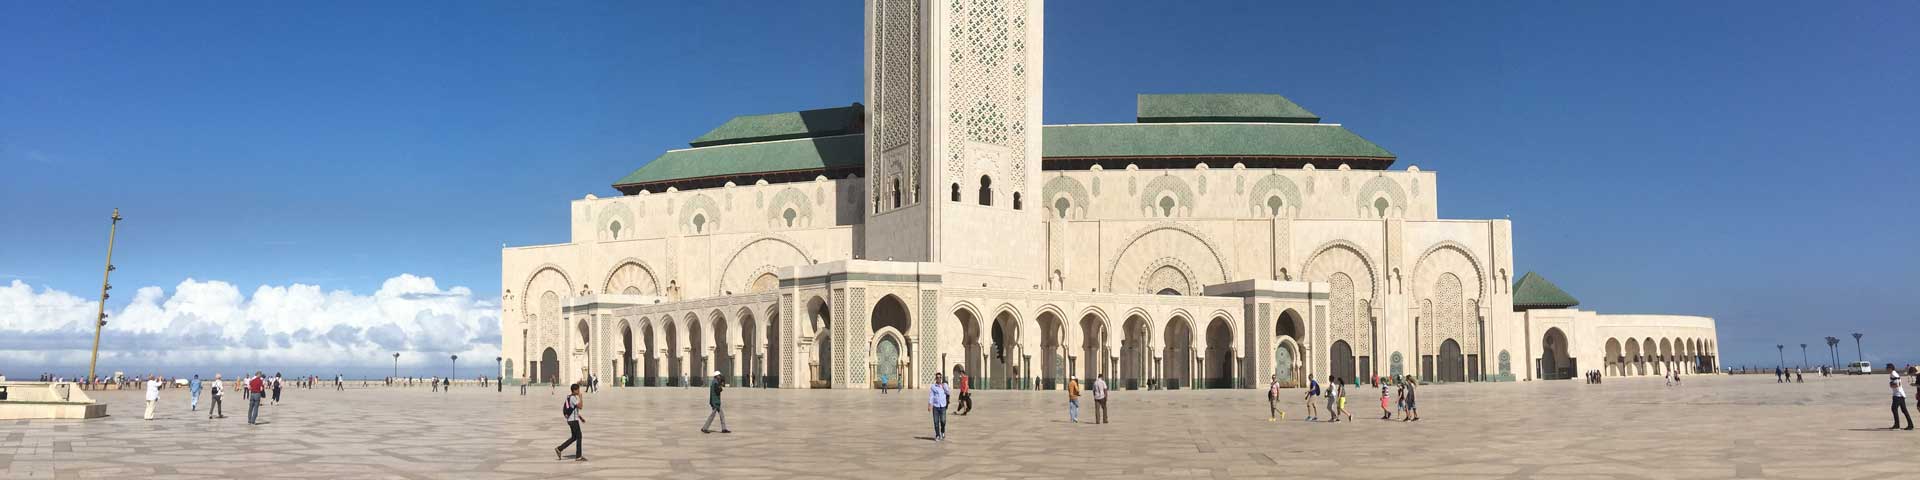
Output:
(953, 136)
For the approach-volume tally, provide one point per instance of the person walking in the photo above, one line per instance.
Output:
(937, 404)
(713, 400)
(1333, 398)
(153, 394)
(1413, 412)
(218, 390)
(1400, 396)
(1343, 400)
(883, 384)
(256, 388)
(1073, 399)
(1899, 399)
(1100, 399)
(1385, 414)
(1313, 395)
(276, 388)
(966, 395)
(1273, 399)
(193, 394)
(570, 408)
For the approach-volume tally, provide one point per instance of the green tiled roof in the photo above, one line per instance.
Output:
(1221, 107)
(762, 157)
(824, 122)
(1534, 291)
(1200, 139)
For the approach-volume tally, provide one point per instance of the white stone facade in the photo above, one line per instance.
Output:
(956, 250)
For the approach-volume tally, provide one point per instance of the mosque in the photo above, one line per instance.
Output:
(938, 225)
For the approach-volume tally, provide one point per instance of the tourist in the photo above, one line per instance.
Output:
(153, 394)
(1385, 414)
(218, 390)
(713, 400)
(1313, 394)
(193, 394)
(1100, 399)
(1333, 398)
(1073, 399)
(1400, 396)
(256, 388)
(1413, 412)
(1343, 400)
(570, 408)
(1273, 399)
(276, 388)
(883, 384)
(340, 382)
(1899, 399)
(966, 395)
(1779, 375)
(937, 404)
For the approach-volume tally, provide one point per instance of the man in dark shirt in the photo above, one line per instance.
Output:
(713, 400)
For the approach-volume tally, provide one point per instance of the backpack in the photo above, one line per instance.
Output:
(566, 407)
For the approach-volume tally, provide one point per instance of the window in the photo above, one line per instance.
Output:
(699, 222)
(956, 192)
(1061, 206)
(986, 190)
(1166, 206)
(1380, 206)
(789, 216)
(615, 229)
(896, 193)
(1273, 206)
(1016, 200)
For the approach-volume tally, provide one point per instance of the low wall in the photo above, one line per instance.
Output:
(54, 400)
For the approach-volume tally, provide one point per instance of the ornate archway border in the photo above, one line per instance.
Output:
(607, 283)
(1213, 248)
(1372, 276)
(720, 282)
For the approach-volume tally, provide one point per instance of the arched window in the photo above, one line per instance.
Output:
(1380, 206)
(699, 222)
(615, 229)
(1273, 205)
(986, 190)
(1016, 200)
(956, 192)
(1061, 205)
(896, 193)
(789, 215)
(1166, 206)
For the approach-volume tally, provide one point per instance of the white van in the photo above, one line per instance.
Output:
(1859, 368)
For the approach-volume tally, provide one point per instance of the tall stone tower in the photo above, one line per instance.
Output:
(953, 137)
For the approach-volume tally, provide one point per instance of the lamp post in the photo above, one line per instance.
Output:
(396, 365)
(1833, 353)
(455, 360)
(1783, 354)
(1857, 355)
(1803, 355)
(100, 321)
(497, 376)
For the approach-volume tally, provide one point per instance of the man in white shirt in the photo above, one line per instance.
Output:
(1100, 399)
(1899, 399)
(153, 394)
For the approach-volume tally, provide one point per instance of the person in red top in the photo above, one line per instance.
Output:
(966, 395)
(256, 388)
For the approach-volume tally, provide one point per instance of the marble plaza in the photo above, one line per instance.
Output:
(1711, 427)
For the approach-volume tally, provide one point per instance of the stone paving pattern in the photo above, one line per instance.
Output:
(1711, 427)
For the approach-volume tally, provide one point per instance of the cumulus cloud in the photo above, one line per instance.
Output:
(213, 324)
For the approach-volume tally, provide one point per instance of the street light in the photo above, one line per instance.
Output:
(1833, 352)
(100, 321)
(1803, 355)
(396, 365)
(456, 370)
(497, 376)
(1783, 354)
(1856, 347)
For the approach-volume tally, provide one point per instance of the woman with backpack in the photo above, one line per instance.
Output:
(571, 409)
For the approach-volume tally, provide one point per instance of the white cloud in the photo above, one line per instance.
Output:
(206, 324)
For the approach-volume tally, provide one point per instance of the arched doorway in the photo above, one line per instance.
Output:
(822, 345)
(772, 360)
(1634, 364)
(1284, 354)
(751, 346)
(1554, 362)
(699, 367)
(584, 350)
(970, 343)
(1453, 367)
(1291, 330)
(1341, 356)
(1003, 365)
(1176, 354)
(674, 373)
(651, 365)
(1220, 360)
(626, 355)
(1093, 345)
(1053, 368)
(1615, 364)
(1135, 353)
(887, 361)
(549, 366)
(891, 322)
(723, 356)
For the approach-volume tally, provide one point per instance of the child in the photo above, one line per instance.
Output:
(1385, 414)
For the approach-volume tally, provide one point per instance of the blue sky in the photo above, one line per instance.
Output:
(1742, 160)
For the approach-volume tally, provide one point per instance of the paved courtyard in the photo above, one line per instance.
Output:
(1712, 427)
